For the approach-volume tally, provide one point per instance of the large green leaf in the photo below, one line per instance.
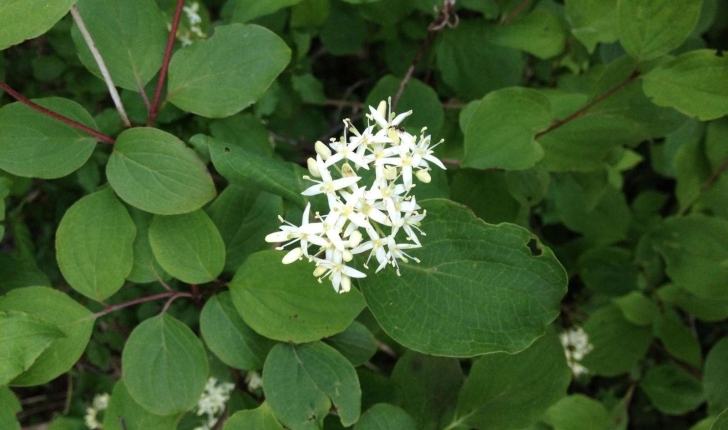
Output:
(540, 33)
(260, 418)
(478, 288)
(301, 383)
(577, 412)
(9, 407)
(35, 145)
(188, 246)
(57, 309)
(94, 245)
(287, 303)
(721, 421)
(677, 338)
(154, 171)
(230, 71)
(161, 356)
(384, 416)
(500, 134)
(486, 193)
(130, 35)
(715, 377)
(695, 249)
(706, 309)
(672, 390)
(608, 270)
(356, 343)
(507, 391)
(135, 416)
(26, 19)
(227, 335)
(592, 21)
(693, 83)
(248, 10)
(145, 267)
(23, 337)
(651, 28)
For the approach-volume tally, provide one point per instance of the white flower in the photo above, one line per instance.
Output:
(99, 403)
(576, 345)
(253, 380)
(381, 208)
(212, 401)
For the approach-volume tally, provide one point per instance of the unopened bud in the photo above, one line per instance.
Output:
(348, 256)
(382, 109)
(355, 239)
(423, 176)
(320, 270)
(292, 255)
(313, 168)
(345, 284)
(322, 150)
(390, 173)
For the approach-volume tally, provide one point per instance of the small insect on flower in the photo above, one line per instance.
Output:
(363, 217)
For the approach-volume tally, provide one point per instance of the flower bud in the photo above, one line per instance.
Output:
(382, 109)
(276, 237)
(319, 270)
(348, 256)
(347, 171)
(423, 176)
(292, 255)
(313, 168)
(322, 150)
(355, 239)
(345, 284)
(390, 173)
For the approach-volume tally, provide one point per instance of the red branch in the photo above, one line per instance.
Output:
(170, 295)
(17, 96)
(154, 110)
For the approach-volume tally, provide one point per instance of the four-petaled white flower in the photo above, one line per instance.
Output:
(381, 209)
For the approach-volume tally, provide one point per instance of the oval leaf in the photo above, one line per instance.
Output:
(260, 418)
(94, 245)
(384, 416)
(188, 246)
(356, 343)
(162, 355)
(478, 289)
(23, 337)
(27, 19)
(230, 71)
(135, 417)
(156, 172)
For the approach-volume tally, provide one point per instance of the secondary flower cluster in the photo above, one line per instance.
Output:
(576, 346)
(380, 210)
(100, 403)
(212, 402)
(186, 37)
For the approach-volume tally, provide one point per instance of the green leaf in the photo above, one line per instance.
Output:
(528, 186)
(94, 245)
(344, 32)
(609, 270)
(721, 423)
(162, 355)
(507, 391)
(309, 88)
(429, 387)
(651, 28)
(260, 418)
(471, 66)
(357, 344)
(243, 167)
(618, 344)
(244, 130)
(710, 310)
(145, 267)
(501, 132)
(36, 145)
(418, 97)
(693, 83)
(188, 246)
(678, 339)
(244, 216)
(135, 417)
(57, 309)
(9, 407)
(577, 412)
(672, 390)
(229, 338)
(385, 417)
(23, 337)
(154, 171)
(637, 309)
(540, 33)
(321, 376)
(592, 21)
(26, 19)
(228, 72)
(130, 35)
(473, 282)
(715, 377)
(248, 10)
(486, 193)
(287, 303)
(695, 249)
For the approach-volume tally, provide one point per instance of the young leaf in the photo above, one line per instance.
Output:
(672, 390)
(154, 171)
(592, 21)
(130, 35)
(23, 337)
(286, 303)
(473, 281)
(227, 335)
(162, 355)
(323, 377)
(260, 418)
(578, 412)
(693, 83)
(501, 132)
(135, 416)
(27, 19)
(540, 33)
(385, 417)
(94, 245)
(356, 343)
(188, 246)
(230, 71)
(35, 145)
(57, 309)
(637, 309)
(649, 29)
(507, 391)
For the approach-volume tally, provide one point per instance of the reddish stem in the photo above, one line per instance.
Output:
(154, 110)
(170, 295)
(17, 96)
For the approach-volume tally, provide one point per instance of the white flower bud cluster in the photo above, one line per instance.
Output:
(576, 346)
(100, 403)
(362, 218)
(212, 402)
(193, 17)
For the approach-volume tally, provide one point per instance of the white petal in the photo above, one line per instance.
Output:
(313, 190)
(292, 256)
(345, 182)
(376, 116)
(399, 118)
(435, 160)
(350, 271)
(279, 236)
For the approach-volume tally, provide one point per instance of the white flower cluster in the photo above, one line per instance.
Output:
(576, 346)
(212, 402)
(194, 19)
(99, 403)
(382, 209)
